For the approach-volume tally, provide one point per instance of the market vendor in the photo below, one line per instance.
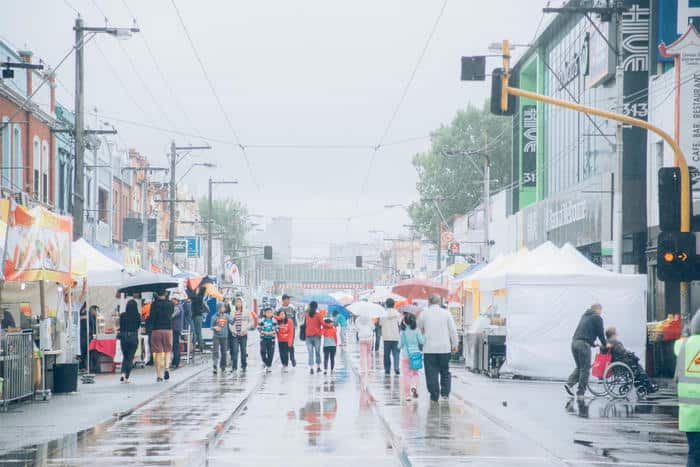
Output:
(85, 336)
(8, 321)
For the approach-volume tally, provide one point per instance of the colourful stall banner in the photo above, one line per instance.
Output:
(38, 245)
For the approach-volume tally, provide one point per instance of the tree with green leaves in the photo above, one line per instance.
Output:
(230, 217)
(450, 173)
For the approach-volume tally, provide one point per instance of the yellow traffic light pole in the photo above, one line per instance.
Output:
(679, 157)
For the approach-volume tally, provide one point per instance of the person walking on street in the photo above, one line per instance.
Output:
(342, 322)
(220, 329)
(198, 312)
(365, 328)
(688, 379)
(129, 325)
(411, 341)
(268, 330)
(161, 334)
(291, 313)
(330, 343)
(440, 332)
(377, 334)
(590, 327)
(241, 323)
(178, 324)
(313, 320)
(389, 325)
(285, 337)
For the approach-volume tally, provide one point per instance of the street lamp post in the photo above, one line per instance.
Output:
(79, 181)
(210, 221)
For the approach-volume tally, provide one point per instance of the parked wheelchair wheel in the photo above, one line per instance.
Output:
(619, 380)
(597, 386)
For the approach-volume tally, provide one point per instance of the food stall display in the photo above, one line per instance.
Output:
(661, 336)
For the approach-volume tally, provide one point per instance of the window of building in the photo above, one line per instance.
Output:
(6, 160)
(45, 171)
(102, 204)
(36, 164)
(17, 160)
(62, 184)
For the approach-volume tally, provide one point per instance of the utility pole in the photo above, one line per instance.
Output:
(79, 182)
(210, 221)
(439, 246)
(173, 196)
(144, 207)
(78, 200)
(487, 197)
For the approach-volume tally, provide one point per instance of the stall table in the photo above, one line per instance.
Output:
(107, 347)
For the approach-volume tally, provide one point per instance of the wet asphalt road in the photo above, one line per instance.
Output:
(298, 419)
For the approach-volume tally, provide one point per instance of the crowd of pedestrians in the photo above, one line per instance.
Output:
(411, 342)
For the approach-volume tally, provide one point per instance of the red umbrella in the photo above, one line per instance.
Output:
(419, 288)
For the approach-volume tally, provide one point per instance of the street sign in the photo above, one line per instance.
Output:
(179, 246)
(194, 245)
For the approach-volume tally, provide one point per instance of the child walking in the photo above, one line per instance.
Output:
(285, 338)
(330, 343)
(268, 330)
(410, 344)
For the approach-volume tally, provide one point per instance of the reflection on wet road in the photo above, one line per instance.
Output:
(296, 418)
(301, 419)
(172, 429)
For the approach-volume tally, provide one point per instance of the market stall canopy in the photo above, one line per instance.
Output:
(545, 256)
(419, 288)
(207, 282)
(147, 281)
(100, 270)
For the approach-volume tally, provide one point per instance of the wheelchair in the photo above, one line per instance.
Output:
(618, 380)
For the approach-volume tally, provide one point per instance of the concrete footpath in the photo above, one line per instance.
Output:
(35, 422)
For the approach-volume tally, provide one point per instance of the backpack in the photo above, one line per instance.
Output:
(415, 359)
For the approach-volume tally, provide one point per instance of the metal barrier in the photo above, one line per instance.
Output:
(16, 367)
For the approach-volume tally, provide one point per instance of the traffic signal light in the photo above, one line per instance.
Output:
(358, 261)
(497, 92)
(474, 68)
(675, 261)
(267, 252)
(669, 199)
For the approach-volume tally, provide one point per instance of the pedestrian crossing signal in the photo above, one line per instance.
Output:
(497, 77)
(358, 261)
(267, 252)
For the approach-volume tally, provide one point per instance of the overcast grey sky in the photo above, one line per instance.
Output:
(305, 72)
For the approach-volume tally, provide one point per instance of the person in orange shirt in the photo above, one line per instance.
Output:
(313, 320)
(285, 338)
(330, 343)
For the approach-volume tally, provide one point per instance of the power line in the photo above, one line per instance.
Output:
(136, 71)
(406, 88)
(216, 95)
(159, 69)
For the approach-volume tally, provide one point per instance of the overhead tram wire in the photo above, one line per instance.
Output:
(216, 95)
(136, 72)
(407, 87)
(159, 69)
(401, 99)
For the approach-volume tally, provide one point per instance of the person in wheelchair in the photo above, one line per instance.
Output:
(621, 354)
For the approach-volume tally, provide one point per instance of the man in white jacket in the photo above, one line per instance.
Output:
(390, 335)
(440, 332)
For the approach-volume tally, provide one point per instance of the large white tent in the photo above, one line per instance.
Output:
(100, 270)
(545, 293)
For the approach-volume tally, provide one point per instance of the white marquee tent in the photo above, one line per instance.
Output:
(546, 291)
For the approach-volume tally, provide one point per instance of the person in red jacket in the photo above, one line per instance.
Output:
(313, 321)
(330, 343)
(285, 337)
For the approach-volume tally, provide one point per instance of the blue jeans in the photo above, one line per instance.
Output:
(313, 345)
(391, 348)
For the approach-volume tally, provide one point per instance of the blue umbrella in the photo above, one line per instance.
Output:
(321, 299)
(340, 309)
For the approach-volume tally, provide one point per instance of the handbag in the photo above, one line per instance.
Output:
(415, 359)
(302, 332)
(601, 362)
